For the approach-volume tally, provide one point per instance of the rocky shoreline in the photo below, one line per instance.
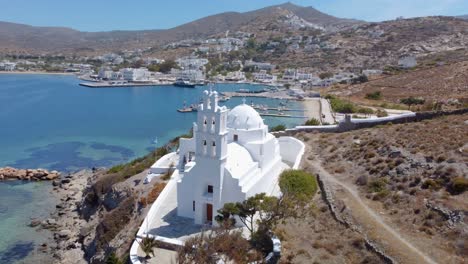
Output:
(9, 173)
(65, 223)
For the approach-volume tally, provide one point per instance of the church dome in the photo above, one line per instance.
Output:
(244, 117)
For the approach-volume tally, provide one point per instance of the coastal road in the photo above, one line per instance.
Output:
(327, 116)
(320, 109)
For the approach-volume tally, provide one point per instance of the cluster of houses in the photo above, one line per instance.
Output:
(125, 74)
(214, 45)
(7, 66)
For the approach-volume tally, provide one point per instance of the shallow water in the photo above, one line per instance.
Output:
(19, 203)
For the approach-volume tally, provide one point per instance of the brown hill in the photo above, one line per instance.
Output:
(447, 84)
(30, 39)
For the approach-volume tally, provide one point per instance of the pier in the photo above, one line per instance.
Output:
(273, 95)
(109, 85)
(277, 109)
(281, 115)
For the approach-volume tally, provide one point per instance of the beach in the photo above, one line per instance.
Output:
(312, 108)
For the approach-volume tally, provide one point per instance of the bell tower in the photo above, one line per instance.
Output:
(211, 136)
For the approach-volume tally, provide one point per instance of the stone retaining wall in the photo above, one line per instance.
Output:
(327, 196)
(353, 124)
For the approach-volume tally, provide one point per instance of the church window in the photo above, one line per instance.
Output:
(236, 137)
(204, 142)
(210, 188)
(193, 206)
(214, 144)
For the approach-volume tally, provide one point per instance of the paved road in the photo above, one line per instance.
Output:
(326, 111)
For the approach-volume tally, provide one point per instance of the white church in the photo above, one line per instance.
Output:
(231, 157)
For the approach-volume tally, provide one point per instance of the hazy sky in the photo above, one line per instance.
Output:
(100, 15)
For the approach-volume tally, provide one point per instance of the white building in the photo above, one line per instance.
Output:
(191, 63)
(264, 77)
(7, 66)
(235, 76)
(371, 72)
(231, 157)
(131, 74)
(260, 65)
(105, 73)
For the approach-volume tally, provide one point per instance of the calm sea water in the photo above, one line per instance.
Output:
(49, 121)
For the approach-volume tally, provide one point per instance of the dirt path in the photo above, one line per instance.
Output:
(375, 227)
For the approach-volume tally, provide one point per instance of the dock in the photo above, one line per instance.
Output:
(108, 85)
(272, 95)
(278, 109)
(280, 115)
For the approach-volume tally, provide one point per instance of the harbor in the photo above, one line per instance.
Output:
(120, 84)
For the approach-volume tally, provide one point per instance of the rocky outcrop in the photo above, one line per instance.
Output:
(8, 173)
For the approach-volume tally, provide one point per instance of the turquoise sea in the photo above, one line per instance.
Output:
(49, 121)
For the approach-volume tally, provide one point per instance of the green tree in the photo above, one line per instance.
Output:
(412, 101)
(377, 95)
(113, 259)
(298, 185)
(312, 122)
(251, 43)
(325, 75)
(278, 128)
(167, 65)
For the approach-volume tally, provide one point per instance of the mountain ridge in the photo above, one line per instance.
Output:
(15, 37)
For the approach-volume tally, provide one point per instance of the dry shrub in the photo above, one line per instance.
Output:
(114, 222)
(156, 191)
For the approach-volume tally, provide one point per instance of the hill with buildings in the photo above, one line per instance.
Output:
(29, 39)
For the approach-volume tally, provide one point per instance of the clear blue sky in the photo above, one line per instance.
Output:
(103, 15)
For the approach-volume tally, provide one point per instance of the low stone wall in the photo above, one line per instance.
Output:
(327, 197)
(142, 232)
(352, 124)
(291, 150)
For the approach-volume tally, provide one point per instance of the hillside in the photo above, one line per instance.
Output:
(445, 84)
(376, 45)
(29, 39)
(408, 178)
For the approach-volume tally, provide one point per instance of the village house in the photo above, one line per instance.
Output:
(7, 66)
(235, 76)
(132, 74)
(260, 65)
(264, 77)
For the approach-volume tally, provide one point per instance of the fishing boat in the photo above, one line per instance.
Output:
(188, 109)
(184, 83)
(224, 98)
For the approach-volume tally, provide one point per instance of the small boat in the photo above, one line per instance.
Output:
(191, 108)
(184, 83)
(224, 99)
